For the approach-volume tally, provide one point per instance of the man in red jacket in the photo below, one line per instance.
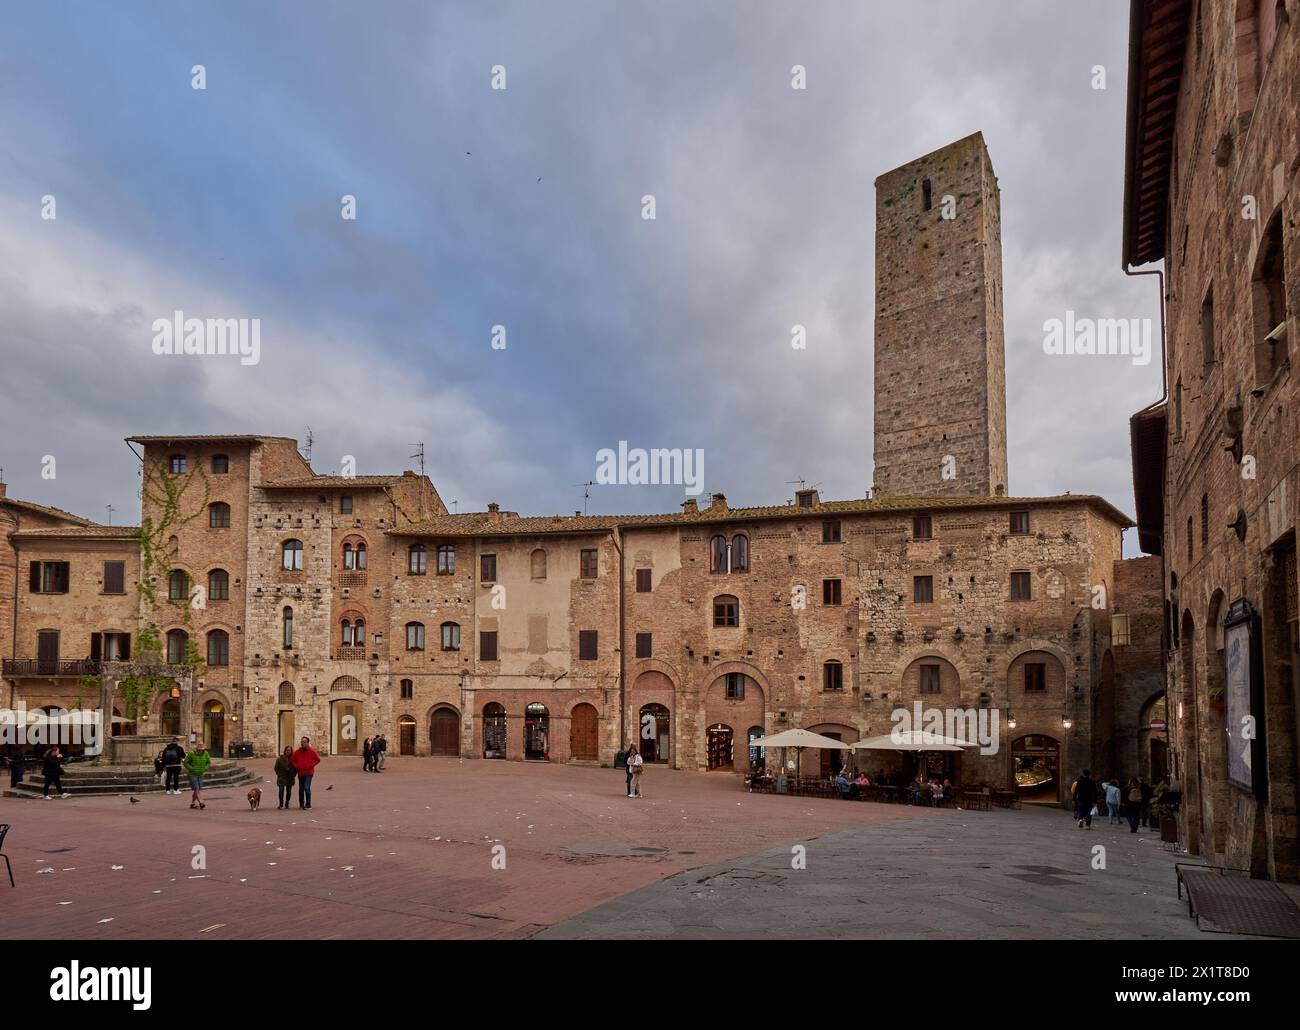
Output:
(305, 760)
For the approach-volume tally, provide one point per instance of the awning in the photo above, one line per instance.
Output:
(912, 740)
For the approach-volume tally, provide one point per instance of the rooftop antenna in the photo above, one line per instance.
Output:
(586, 493)
(307, 450)
(419, 453)
(108, 506)
(454, 509)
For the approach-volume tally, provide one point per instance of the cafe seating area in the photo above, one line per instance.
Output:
(978, 799)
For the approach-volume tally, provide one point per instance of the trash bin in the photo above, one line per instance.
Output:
(242, 749)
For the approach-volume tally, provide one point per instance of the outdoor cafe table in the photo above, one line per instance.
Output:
(974, 800)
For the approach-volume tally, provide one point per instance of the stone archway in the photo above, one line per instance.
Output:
(734, 700)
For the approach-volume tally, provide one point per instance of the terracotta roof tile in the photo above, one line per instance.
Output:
(45, 509)
(101, 532)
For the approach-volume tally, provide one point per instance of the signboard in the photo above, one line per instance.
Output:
(1156, 724)
(1243, 686)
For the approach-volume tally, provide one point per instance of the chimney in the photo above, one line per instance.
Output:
(807, 498)
(2, 489)
(719, 503)
(689, 507)
(494, 512)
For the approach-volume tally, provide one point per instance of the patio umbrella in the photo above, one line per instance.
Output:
(913, 740)
(800, 739)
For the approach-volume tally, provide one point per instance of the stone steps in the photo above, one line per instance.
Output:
(99, 781)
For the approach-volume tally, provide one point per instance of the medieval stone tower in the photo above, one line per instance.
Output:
(941, 423)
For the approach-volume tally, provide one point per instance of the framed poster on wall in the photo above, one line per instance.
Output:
(1243, 682)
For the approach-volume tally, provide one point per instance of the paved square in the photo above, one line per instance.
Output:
(409, 853)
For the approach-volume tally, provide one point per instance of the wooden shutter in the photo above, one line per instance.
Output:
(96, 646)
(34, 583)
(487, 646)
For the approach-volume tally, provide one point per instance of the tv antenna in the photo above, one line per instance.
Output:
(454, 509)
(419, 453)
(586, 493)
(110, 512)
(307, 450)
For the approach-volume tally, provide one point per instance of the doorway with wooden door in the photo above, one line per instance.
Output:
(583, 733)
(345, 728)
(284, 731)
(406, 735)
(214, 728)
(444, 732)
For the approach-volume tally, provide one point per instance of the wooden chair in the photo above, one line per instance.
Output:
(4, 830)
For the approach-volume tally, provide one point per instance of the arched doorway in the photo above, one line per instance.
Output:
(654, 722)
(1036, 763)
(757, 755)
(720, 746)
(345, 727)
(169, 718)
(444, 732)
(494, 731)
(584, 741)
(406, 735)
(1153, 745)
(537, 732)
(214, 728)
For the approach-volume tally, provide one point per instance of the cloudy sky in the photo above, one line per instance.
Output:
(522, 207)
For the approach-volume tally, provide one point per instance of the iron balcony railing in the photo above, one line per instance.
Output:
(48, 667)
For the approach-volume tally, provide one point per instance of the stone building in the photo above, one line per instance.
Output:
(1212, 193)
(340, 607)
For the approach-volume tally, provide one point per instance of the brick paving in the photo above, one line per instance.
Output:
(404, 854)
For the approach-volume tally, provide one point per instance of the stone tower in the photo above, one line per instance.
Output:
(941, 422)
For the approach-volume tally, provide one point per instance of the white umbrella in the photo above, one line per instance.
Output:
(912, 740)
(800, 739)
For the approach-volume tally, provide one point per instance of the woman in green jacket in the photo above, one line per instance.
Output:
(284, 777)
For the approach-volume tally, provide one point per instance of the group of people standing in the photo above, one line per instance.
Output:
(372, 752)
(296, 765)
(1132, 801)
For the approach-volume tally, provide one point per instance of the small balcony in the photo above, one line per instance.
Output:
(16, 667)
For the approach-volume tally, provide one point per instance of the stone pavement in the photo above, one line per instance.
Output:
(403, 854)
(971, 875)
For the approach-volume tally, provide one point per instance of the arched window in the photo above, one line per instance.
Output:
(218, 585)
(451, 636)
(718, 554)
(220, 464)
(286, 693)
(291, 555)
(288, 626)
(408, 690)
(833, 676)
(219, 515)
(354, 631)
(446, 560)
(539, 564)
(739, 553)
(218, 647)
(177, 640)
(178, 585)
(345, 638)
(416, 560)
(415, 636)
(726, 610)
(354, 556)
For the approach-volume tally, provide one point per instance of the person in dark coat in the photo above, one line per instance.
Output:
(284, 777)
(52, 769)
(172, 756)
(1085, 796)
(381, 747)
(367, 754)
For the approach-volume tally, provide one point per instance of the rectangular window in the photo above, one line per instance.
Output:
(1019, 523)
(927, 195)
(587, 645)
(1020, 588)
(643, 645)
(921, 528)
(830, 591)
(408, 690)
(487, 645)
(487, 568)
(930, 681)
(115, 577)
(345, 504)
(415, 636)
(735, 689)
(49, 577)
(831, 531)
(1119, 632)
(1208, 350)
(643, 578)
(178, 464)
(726, 611)
(116, 647)
(922, 589)
(1035, 676)
(833, 676)
(590, 564)
(221, 464)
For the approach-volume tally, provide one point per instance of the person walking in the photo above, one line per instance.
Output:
(1133, 803)
(1085, 796)
(52, 769)
(284, 776)
(636, 764)
(627, 767)
(173, 758)
(1147, 794)
(196, 763)
(367, 754)
(381, 748)
(305, 760)
(1113, 801)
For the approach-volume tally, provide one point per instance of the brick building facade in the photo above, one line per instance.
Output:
(332, 604)
(1212, 192)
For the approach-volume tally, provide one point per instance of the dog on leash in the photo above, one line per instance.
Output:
(255, 798)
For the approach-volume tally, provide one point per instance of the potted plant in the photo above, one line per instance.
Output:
(1218, 698)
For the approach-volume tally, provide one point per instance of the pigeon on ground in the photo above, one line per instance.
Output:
(134, 801)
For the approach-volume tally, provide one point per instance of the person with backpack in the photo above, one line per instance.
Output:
(1085, 796)
(1133, 803)
(1113, 801)
(173, 759)
(196, 763)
